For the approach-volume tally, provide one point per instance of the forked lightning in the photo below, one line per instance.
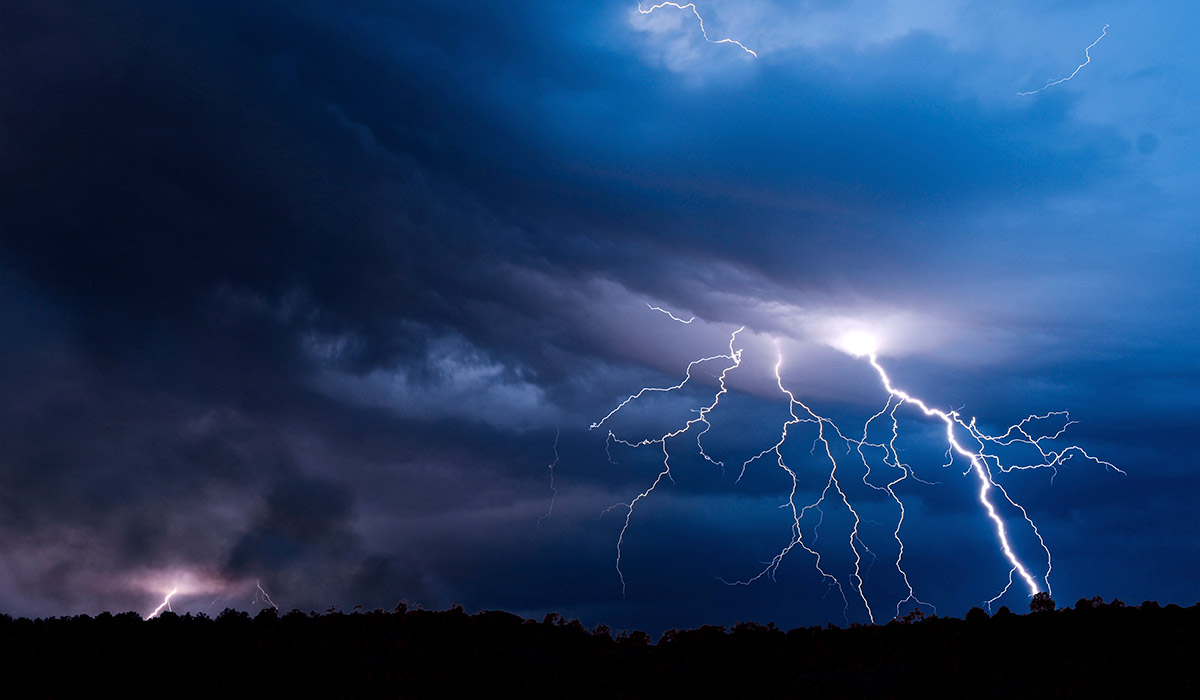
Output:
(964, 441)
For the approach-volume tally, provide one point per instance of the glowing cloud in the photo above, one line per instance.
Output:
(185, 583)
(858, 343)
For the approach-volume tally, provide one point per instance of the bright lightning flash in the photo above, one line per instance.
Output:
(703, 31)
(189, 583)
(1087, 53)
(964, 440)
(982, 461)
(858, 344)
(165, 605)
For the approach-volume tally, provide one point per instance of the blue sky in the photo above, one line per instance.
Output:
(302, 293)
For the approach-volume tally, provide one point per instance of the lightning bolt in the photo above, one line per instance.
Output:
(668, 313)
(734, 358)
(165, 605)
(703, 31)
(551, 466)
(260, 595)
(195, 583)
(1087, 53)
(964, 441)
(977, 459)
(798, 514)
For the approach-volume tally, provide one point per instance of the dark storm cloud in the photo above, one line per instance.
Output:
(168, 166)
(300, 514)
(232, 186)
(306, 542)
(272, 153)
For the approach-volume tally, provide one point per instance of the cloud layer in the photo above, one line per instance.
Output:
(299, 293)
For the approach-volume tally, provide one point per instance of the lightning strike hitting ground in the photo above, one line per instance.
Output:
(165, 605)
(261, 596)
(703, 31)
(193, 584)
(981, 461)
(1087, 53)
(964, 442)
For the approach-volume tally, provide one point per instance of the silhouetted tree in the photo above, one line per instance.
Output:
(636, 638)
(427, 653)
(1042, 602)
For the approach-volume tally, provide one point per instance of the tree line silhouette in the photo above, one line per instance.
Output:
(1092, 647)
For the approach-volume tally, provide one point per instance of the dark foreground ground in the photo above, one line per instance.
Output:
(1093, 649)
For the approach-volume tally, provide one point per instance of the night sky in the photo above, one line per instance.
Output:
(301, 294)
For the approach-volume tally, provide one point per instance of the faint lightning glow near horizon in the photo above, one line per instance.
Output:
(1087, 53)
(193, 583)
(964, 441)
(703, 31)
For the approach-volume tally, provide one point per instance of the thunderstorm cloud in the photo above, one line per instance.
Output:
(299, 293)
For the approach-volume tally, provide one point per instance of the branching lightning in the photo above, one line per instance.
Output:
(703, 31)
(965, 443)
(734, 358)
(1087, 53)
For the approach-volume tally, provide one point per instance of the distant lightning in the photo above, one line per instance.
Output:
(1087, 55)
(191, 583)
(964, 441)
(261, 595)
(703, 31)
(165, 605)
(553, 489)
